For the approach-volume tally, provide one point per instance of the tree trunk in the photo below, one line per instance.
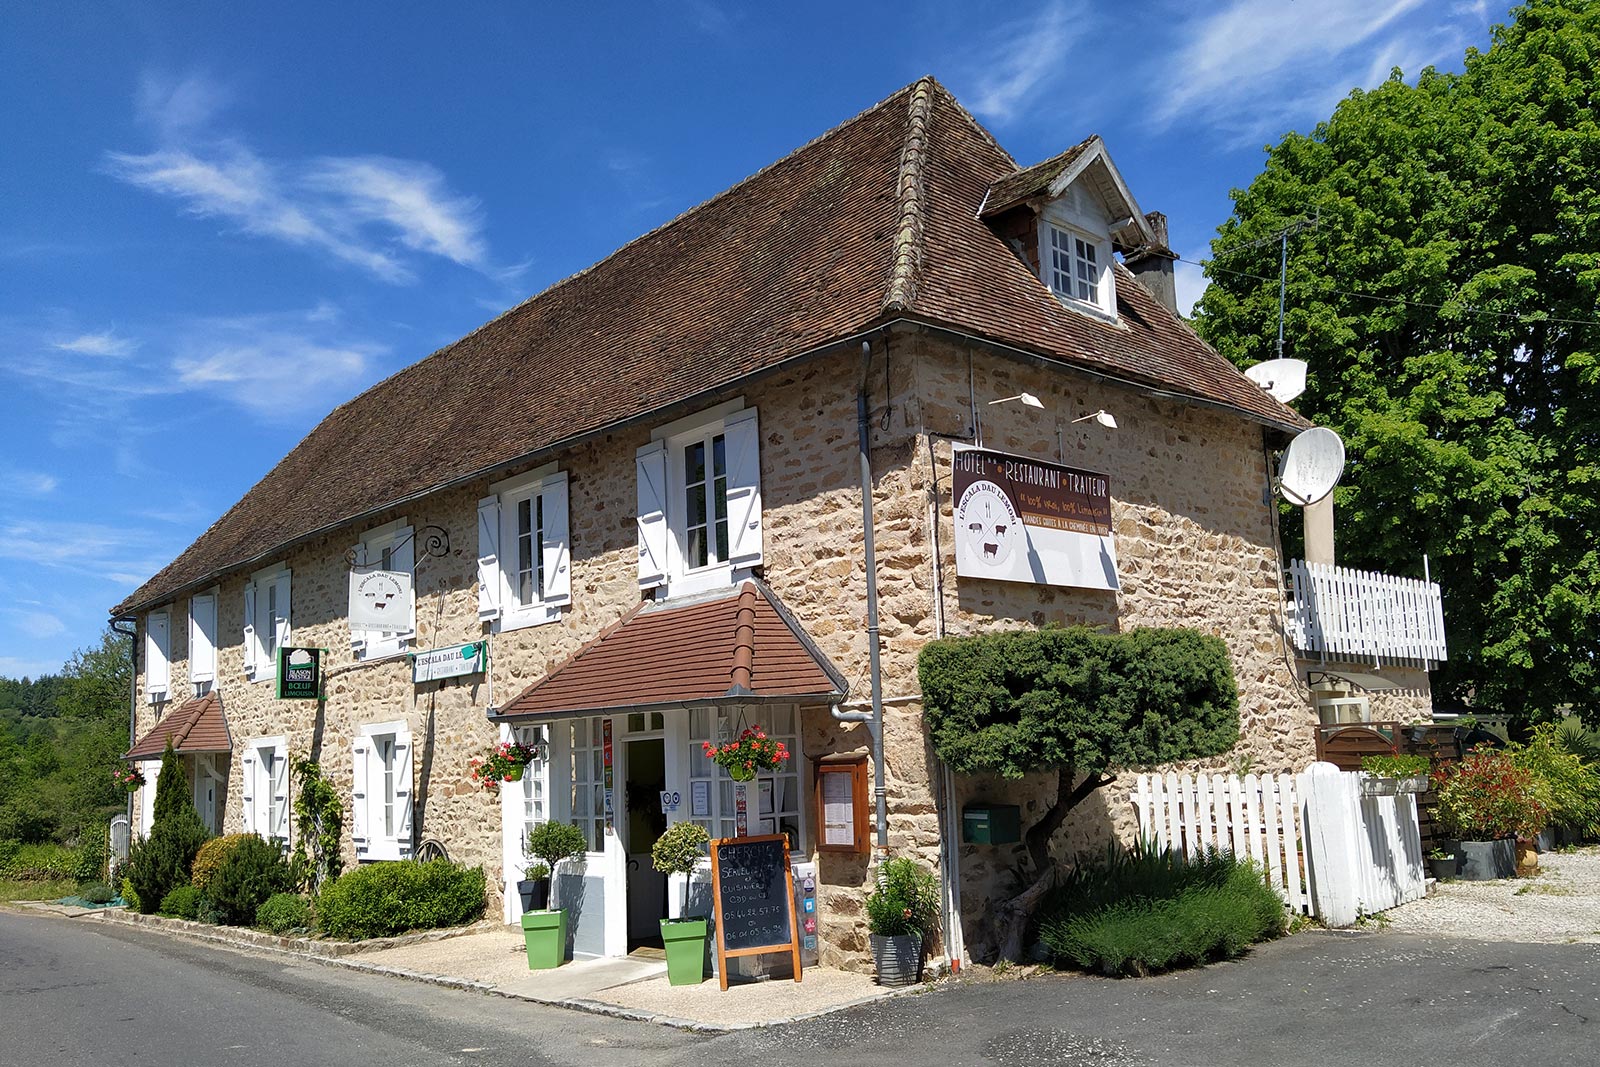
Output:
(1015, 915)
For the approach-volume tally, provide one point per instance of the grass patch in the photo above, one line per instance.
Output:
(31, 889)
(1141, 910)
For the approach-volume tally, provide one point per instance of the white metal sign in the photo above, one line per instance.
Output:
(452, 662)
(380, 600)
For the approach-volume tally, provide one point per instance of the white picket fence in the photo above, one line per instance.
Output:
(1347, 614)
(1327, 849)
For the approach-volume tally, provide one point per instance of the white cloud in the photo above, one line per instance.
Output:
(37, 624)
(15, 481)
(95, 549)
(105, 343)
(1022, 59)
(175, 106)
(410, 197)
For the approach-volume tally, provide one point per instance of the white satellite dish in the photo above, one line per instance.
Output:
(1285, 379)
(1311, 466)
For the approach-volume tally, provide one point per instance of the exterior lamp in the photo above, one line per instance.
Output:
(1103, 417)
(1028, 400)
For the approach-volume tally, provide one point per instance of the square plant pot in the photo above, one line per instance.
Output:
(545, 933)
(685, 940)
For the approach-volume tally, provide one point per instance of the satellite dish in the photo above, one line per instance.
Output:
(1311, 466)
(1285, 379)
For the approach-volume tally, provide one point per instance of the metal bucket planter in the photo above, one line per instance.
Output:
(685, 941)
(545, 934)
(1417, 783)
(535, 893)
(1442, 868)
(1378, 787)
(1485, 861)
(898, 958)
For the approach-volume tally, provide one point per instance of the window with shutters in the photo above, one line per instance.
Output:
(524, 551)
(157, 655)
(203, 642)
(390, 547)
(266, 788)
(699, 514)
(381, 773)
(266, 621)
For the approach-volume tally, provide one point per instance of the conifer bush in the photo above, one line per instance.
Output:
(163, 859)
(252, 871)
(210, 857)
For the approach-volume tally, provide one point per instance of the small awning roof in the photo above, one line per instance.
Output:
(738, 647)
(1372, 683)
(196, 725)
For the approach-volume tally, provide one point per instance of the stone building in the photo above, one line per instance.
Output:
(631, 510)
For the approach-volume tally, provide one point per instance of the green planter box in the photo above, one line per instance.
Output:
(546, 935)
(686, 950)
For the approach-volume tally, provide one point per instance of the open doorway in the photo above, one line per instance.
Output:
(646, 770)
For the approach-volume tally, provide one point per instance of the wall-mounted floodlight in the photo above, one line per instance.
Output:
(1028, 400)
(1103, 417)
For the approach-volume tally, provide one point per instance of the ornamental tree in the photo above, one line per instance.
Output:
(1079, 703)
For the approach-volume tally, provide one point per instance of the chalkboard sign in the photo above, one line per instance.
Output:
(753, 897)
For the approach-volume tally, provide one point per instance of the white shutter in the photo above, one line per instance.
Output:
(250, 654)
(147, 795)
(358, 795)
(280, 624)
(402, 793)
(250, 783)
(280, 796)
(403, 558)
(157, 655)
(203, 638)
(651, 462)
(358, 638)
(511, 859)
(489, 558)
(742, 435)
(556, 550)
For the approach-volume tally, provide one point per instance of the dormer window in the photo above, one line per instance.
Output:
(1074, 266)
(1075, 242)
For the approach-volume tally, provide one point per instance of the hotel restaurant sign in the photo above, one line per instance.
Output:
(1023, 520)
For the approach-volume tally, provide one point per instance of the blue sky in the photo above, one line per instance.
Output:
(219, 221)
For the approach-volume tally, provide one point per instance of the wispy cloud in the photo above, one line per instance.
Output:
(177, 105)
(105, 343)
(1023, 58)
(18, 482)
(115, 553)
(35, 624)
(17, 667)
(261, 361)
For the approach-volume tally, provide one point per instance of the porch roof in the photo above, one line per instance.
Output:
(738, 647)
(196, 725)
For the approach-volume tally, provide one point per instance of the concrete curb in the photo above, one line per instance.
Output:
(301, 945)
(251, 941)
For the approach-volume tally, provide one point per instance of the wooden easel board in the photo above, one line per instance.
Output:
(752, 893)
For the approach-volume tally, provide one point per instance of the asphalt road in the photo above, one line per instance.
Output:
(78, 992)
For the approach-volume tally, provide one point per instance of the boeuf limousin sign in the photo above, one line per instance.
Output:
(1023, 520)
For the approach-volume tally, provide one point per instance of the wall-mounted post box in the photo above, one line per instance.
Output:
(991, 824)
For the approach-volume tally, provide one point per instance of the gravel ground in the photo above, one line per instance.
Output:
(1561, 904)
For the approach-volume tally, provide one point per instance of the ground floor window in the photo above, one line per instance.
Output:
(588, 801)
(381, 792)
(532, 794)
(266, 788)
(771, 802)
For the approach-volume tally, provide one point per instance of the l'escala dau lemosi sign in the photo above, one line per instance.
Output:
(452, 662)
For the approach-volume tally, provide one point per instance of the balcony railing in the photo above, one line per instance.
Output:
(1342, 614)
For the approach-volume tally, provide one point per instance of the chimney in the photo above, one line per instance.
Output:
(1152, 264)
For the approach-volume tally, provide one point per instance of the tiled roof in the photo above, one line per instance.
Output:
(1029, 182)
(196, 725)
(870, 222)
(742, 644)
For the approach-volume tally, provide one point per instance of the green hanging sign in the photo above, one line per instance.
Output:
(451, 662)
(299, 674)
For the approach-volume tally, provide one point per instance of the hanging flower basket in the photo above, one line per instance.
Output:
(751, 754)
(505, 762)
(129, 778)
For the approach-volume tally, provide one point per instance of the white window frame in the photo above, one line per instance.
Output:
(158, 655)
(397, 539)
(203, 641)
(374, 840)
(668, 530)
(265, 778)
(720, 725)
(1068, 217)
(266, 621)
(500, 601)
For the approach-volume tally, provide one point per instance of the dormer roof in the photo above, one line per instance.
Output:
(1086, 162)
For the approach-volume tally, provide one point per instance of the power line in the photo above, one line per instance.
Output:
(1518, 316)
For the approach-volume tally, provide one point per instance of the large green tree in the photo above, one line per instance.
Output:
(1446, 303)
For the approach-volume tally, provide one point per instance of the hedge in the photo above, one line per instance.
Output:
(384, 899)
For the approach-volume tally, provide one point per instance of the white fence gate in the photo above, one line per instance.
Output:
(1327, 849)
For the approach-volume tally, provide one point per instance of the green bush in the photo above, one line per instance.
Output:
(283, 912)
(183, 902)
(1142, 910)
(162, 861)
(1570, 787)
(253, 870)
(1396, 766)
(91, 854)
(679, 850)
(38, 863)
(905, 900)
(210, 857)
(98, 893)
(384, 899)
(130, 895)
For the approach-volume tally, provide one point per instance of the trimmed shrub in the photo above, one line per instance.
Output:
(384, 899)
(98, 893)
(91, 855)
(1142, 910)
(210, 857)
(182, 903)
(253, 870)
(282, 912)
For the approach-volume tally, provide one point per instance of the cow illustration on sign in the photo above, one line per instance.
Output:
(987, 524)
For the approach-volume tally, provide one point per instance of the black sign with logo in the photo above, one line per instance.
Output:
(299, 674)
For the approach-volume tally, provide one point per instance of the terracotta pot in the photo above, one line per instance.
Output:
(1527, 859)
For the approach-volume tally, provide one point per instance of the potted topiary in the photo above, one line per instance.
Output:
(679, 851)
(1441, 864)
(1486, 802)
(544, 931)
(901, 912)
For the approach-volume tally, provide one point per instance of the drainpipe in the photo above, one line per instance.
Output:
(133, 693)
(880, 791)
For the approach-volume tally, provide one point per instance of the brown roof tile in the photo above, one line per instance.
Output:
(196, 725)
(1007, 192)
(742, 644)
(873, 220)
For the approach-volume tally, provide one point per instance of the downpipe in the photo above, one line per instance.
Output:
(880, 791)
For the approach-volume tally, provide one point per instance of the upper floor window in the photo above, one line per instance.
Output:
(266, 621)
(1075, 252)
(524, 551)
(203, 641)
(1074, 266)
(157, 655)
(699, 484)
(389, 547)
